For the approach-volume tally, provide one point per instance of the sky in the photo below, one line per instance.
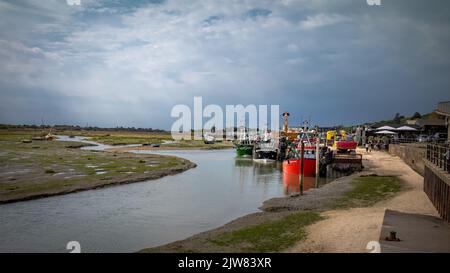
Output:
(128, 63)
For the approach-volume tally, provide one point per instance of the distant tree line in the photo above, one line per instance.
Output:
(80, 128)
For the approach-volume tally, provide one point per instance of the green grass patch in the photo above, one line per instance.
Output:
(272, 236)
(19, 135)
(369, 190)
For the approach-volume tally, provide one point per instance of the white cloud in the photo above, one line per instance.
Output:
(292, 47)
(320, 20)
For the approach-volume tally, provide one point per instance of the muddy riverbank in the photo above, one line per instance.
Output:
(48, 168)
(104, 182)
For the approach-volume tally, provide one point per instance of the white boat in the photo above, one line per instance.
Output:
(208, 139)
(265, 149)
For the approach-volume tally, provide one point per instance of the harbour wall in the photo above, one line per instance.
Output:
(412, 154)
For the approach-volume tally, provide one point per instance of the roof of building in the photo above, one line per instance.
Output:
(430, 122)
(443, 108)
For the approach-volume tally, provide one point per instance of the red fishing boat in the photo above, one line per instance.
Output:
(292, 164)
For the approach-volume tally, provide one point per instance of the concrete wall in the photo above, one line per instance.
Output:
(448, 128)
(411, 154)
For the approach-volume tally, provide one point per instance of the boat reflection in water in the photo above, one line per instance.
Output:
(250, 171)
(254, 172)
(291, 183)
(259, 168)
(243, 162)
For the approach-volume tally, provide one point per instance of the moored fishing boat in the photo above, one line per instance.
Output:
(265, 154)
(244, 149)
(292, 163)
(265, 149)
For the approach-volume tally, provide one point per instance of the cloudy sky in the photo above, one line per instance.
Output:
(127, 63)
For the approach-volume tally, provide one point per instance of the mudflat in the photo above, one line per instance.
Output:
(45, 168)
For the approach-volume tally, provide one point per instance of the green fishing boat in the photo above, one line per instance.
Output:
(244, 149)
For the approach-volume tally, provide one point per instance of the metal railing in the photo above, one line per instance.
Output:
(417, 140)
(403, 140)
(439, 155)
(437, 189)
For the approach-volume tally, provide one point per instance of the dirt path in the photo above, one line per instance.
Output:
(351, 230)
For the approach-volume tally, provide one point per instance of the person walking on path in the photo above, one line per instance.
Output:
(367, 147)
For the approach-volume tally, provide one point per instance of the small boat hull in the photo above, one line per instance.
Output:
(265, 156)
(346, 145)
(292, 166)
(244, 150)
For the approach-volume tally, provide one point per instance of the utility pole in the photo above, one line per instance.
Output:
(302, 165)
(317, 160)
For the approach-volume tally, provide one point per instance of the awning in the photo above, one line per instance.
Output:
(386, 128)
(406, 128)
(385, 132)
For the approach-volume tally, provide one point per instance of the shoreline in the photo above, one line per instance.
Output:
(138, 178)
(323, 236)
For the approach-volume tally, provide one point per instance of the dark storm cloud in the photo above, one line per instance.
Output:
(128, 63)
